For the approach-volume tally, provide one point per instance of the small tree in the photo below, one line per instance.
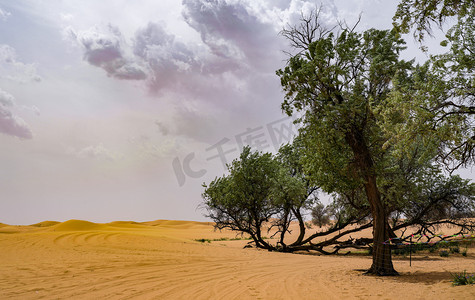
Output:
(242, 200)
(320, 215)
(262, 193)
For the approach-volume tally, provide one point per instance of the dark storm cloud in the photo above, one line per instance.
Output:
(231, 31)
(104, 49)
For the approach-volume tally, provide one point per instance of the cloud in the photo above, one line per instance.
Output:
(104, 48)
(198, 124)
(15, 70)
(11, 124)
(292, 12)
(235, 43)
(165, 57)
(231, 30)
(239, 37)
(230, 68)
(4, 14)
(34, 109)
(145, 147)
(234, 40)
(162, 128)
(6, 99)
(98, 152)
(66, 17)
(176, 66)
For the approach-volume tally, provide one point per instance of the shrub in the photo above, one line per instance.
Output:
(463, 278)
(320, 216)
(455, 249)
(444, 253)
(203, 240)
(398, 251)
(444, 244)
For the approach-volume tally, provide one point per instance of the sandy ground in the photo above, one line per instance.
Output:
(162, 260)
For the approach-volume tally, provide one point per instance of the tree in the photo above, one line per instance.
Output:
(421, 14)
(267, 194)
(320, 215)
(264, 193)
(340, 81)
(439, 97)
(366, 111)
(293, 192)
(242, 201)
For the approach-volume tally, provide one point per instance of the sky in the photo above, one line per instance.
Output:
(121, 110)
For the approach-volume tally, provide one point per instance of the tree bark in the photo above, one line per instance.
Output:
(301, 227)
(382, 262)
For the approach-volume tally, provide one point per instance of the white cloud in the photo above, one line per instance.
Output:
(6, 99)
(165, 57)
(34, 109)
(66, 17)
(145, 147)
(15, 70)
(11, 124)
(4, 14)
(98, 152)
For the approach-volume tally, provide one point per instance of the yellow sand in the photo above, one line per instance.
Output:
(160, 260)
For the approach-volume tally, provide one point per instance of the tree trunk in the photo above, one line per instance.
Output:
(382, 261)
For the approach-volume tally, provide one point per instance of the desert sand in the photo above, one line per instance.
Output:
(161, 260)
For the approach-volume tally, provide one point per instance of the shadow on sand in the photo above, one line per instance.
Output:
(417, 258)
(421, 277)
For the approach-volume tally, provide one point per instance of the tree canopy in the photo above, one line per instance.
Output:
(420, 15)
(438, 98)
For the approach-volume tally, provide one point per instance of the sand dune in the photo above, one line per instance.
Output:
(45, 224)
(161, 260)
(78, 225)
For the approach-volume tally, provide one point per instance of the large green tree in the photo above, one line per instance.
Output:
(374, 126)
(340, 81)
